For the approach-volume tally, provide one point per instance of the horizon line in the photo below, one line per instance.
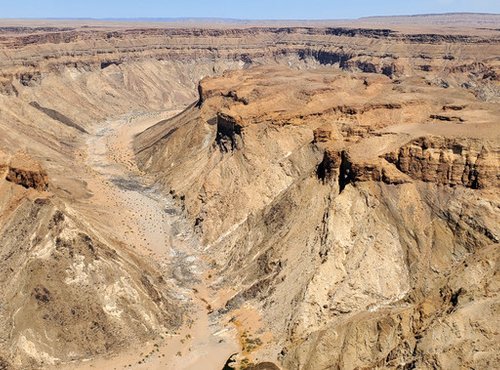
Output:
(187, 18)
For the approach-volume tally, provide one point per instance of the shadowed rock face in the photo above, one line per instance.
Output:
(329, 166)
(229, 133)
(343, 182)
(58, 116)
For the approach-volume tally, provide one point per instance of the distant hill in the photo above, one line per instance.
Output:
(487, 20)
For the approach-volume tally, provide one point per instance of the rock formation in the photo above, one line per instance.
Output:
(345, 215)
(23, 170)
(325, 193)
(448, 162)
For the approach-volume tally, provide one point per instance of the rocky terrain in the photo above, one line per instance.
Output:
(336, 204)
(302, 196)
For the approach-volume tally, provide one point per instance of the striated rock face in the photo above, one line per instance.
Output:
(339, 166)
(449, 162)
(332, 220)
(24, 171)
(104, 49)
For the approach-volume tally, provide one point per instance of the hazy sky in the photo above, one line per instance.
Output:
(246, 9)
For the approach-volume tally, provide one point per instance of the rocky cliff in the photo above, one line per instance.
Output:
(449, 162)
(337, 207)
(22, 170)
(343, 194)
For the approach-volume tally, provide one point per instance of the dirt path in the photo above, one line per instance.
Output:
(150, 223)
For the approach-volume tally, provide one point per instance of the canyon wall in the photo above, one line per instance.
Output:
(338, 207)
(349, 196)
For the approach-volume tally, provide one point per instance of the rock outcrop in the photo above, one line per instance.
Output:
(449, 162)
(23, 170)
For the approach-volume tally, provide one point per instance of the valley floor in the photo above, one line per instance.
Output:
(128, 206)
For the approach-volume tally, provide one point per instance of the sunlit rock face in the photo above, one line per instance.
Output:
(337, 206)
(335, 190)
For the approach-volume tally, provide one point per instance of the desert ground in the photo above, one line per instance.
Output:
(187, 194)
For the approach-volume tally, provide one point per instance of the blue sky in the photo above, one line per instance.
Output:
(246, 9)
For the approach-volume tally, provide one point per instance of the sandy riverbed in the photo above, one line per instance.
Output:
(133, 210)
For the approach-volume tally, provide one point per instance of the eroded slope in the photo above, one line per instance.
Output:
(349, 210)
(297, 183)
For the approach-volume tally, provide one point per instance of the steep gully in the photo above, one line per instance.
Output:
(153, 225)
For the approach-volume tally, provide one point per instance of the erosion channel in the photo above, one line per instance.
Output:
(152, 223)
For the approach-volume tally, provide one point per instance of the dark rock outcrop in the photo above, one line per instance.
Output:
(27, 173)
(229, 133)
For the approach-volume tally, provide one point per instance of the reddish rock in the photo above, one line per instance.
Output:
(24, 171)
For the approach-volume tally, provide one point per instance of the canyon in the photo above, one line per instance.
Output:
(262, 195)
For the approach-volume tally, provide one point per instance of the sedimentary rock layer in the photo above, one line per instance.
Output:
(342, 183)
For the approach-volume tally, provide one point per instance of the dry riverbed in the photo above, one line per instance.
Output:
(130, 207)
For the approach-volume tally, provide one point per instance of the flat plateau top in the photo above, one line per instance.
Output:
(452, 23)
